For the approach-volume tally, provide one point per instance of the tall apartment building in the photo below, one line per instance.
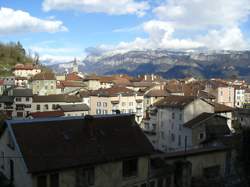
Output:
(165, 119)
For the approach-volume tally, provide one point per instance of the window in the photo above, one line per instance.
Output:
(27, 99)
(173, 115)
(12, 174)
(146, 125)
(130, 111)
(173, 137)
(54, 107)
(130, 103)
(105, 111)
(152, 184)
(99, 104)
(2, 160)
(154, 126)
(211, 172)
(18, 99)
(160, 183)
(85, 177)
(42, 181)
(123, 104)
(104, 104)
(201, 136)
(54, 180)
(179, 140)
(162, 135)
(46, 107)
(129, 167)
(98, 111)
(180, 117)
(38, 107)
(51, 87)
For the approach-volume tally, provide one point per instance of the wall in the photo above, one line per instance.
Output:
(21, 177)
(109, 174)
(44, 87)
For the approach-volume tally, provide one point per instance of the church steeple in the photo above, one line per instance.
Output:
(75, 66)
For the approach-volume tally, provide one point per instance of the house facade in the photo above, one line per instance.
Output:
(113, 162)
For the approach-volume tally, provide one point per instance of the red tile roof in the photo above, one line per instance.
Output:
(44, 76)
(47, 114)
(73, 77)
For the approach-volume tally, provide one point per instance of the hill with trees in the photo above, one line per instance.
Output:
(12, 54)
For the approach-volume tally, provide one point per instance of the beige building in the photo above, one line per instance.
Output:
(92, 83)
(69, 152)
(225, 96)
(117, 100)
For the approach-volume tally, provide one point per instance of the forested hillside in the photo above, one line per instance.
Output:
(10, 55)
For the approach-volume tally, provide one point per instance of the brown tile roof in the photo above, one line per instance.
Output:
(44, 76)
(63, 84)
(56, 98)
(25, 67)
(175, 101)
(157, 93)
(113, 91)
(47, 114)
(63, 143)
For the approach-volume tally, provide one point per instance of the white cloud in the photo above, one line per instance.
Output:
(203, 13)
(112, 7)
(54, 59)
(219, 21)
(17, 21)
(227, 39)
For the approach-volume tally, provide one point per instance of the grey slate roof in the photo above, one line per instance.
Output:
(75, 107)
(22, 92)
(6, 99)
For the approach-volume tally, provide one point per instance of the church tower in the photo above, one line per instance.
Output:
(75, 66)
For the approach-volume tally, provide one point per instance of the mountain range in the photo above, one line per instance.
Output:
(168, 64)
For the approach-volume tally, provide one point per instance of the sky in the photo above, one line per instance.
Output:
(60, 30)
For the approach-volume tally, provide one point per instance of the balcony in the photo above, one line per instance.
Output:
(8, 107)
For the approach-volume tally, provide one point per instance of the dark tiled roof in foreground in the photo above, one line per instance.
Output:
(61, 143)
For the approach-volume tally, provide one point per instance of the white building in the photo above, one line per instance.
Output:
(239, 97)
(164, 122)
(23, 99)
(26, 70)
